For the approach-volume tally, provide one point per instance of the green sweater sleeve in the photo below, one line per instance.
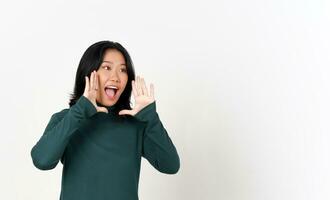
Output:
(158, 147)
(47, 152)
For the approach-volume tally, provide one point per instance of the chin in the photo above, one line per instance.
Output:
(109, 102)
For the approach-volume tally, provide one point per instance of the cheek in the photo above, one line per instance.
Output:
(124, 81)
(101, 80)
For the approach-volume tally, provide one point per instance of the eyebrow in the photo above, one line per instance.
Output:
(112, 62)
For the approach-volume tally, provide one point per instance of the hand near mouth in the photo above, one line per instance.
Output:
(141, 95)
(90, 92)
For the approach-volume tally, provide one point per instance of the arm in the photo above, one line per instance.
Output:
(158, 147)
(47, 152)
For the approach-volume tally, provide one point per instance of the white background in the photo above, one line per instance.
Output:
(242, 89)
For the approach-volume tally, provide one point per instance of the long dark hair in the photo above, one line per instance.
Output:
(91, 60)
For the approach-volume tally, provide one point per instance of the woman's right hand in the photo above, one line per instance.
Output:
(90, 92)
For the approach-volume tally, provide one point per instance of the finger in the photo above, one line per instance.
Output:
(103, 109)
(137, 85)
(144, 87)
(152, 91)
(94, 80)
(97, 81)
(86, 84)
(139, 89)
(91, 83)
(134, 88)
(125, 112)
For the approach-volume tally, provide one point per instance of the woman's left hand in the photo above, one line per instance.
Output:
(141, 95)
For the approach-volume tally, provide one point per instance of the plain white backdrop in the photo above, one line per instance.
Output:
(242, 88)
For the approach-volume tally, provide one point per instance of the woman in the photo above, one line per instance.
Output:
(100, 139)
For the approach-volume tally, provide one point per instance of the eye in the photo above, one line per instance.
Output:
(106, 67)
(124, 70)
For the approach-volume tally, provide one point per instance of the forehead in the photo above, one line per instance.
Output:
(113, 56)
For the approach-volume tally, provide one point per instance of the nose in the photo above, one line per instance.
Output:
(114, 77)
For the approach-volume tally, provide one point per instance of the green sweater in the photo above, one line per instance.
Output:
(101, 152)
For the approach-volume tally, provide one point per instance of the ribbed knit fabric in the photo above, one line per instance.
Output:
(101, 152)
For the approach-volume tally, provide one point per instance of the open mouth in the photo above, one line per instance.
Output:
(111, 92)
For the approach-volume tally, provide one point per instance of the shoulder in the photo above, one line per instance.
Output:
(60, 114)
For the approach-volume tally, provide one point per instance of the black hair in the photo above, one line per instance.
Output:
(91, 60)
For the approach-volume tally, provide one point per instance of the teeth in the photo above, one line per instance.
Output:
(113, 87)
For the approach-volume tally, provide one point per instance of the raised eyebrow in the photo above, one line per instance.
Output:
(112, 63)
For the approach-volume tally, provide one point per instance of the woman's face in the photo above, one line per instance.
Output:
(112, 72)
